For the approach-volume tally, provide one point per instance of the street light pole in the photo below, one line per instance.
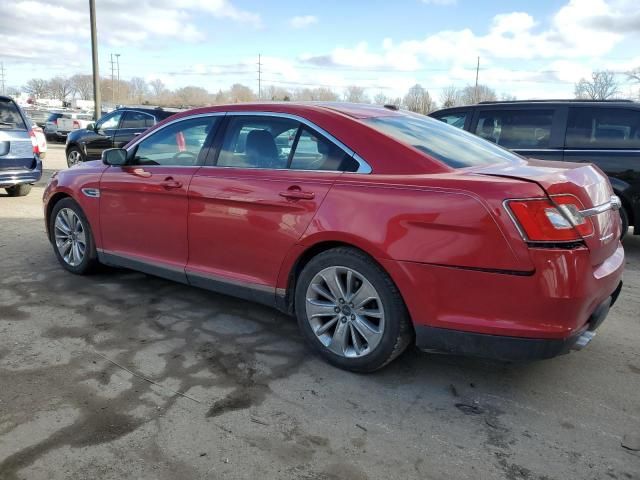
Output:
(94, 55)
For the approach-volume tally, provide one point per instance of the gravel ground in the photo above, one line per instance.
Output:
(122, 375)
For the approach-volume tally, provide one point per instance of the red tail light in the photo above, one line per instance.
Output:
(34, 142)
(55, 122)
(556, 220)
(76, 124)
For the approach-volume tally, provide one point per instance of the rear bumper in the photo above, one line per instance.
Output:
(517, 349)
(9, 178)
(554, 302)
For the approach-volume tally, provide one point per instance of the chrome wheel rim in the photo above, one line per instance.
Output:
(70, 237)
(74, 157)
(345, 312)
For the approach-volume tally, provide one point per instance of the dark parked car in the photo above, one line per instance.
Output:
(20, 164)
(377, 228)
(605, 133)
(113, 130)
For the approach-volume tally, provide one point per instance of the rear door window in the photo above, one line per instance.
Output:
(136, 120)
(516, 129)
(455, 119)
(314, 152)
(603, 128)
(10, 118)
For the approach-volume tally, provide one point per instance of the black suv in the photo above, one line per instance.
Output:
(113, 130)
(606, 133)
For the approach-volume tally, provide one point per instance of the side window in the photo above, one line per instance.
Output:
(109, 121)
(455, 119)
(603, 128)
(136, 120)
(516, 128)
(179, 144)
(314, 152)
(257, 142)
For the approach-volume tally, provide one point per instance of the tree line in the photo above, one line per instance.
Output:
(139, 91)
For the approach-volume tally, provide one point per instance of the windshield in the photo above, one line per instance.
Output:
(452, 146)
(10, 117)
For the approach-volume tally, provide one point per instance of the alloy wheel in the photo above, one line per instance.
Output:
(70, 237)
(345, 312)
(74, 158)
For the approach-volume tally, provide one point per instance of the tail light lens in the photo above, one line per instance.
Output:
(34, 142)
(55, 122)
(545, 220)
(76, 124)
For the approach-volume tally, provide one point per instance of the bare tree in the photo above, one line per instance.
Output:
(240, 93)
(276, 93)
(418, 100)
(157, 87)
(82, 86)
(634, 76)
(138, 89)
(60, 88)
(450, 97)
(602, 86)
(37, 88)
(325, 94)
(355, 94)
(192, 96)
(471, 94)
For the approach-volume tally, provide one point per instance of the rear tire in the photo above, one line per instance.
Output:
(74, 156)
(356, 319)
(19, 190)
(72, 238)
(624, 217)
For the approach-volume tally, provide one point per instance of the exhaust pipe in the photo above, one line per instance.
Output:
(583, 340)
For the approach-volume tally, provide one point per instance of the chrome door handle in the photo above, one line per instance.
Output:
(169, 183)
(298, 195)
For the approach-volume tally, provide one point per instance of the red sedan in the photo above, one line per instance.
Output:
(377, 228)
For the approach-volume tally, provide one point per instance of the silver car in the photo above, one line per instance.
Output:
(20, 164)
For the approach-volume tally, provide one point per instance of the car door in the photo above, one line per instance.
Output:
(102, 136)
(133, 123)
(248, 208)
(144, 204)
(534, 132)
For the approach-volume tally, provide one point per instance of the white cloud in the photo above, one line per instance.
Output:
(303, 21)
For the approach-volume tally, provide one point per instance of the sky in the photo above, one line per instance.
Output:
(530, 49)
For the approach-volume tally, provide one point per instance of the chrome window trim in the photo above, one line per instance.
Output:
(601, 150)
(363, 165)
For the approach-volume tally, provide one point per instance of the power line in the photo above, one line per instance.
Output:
(112, 78)
(118, 67)
(2, 76)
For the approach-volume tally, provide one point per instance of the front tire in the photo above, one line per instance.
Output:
(74, 156)
(350, 311)
(19, 190)
(72, 238)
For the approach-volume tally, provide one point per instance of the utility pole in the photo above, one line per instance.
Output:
(2, 76)
(94, 55)
(259, 77)
(475, 92)
(113, 86)
(118, 67)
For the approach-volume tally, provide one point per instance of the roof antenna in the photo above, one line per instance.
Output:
(391, 106)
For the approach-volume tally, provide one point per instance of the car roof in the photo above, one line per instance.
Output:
(353, 110)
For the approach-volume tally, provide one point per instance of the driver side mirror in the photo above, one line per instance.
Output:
(91, 126)
(115, 157)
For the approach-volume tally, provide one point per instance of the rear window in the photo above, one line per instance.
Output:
(53, 117)
(600, 128)
(10, 117)
(452, 146)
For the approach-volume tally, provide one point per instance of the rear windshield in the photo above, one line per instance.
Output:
(452, 146)
(53, 117)
(10, 117)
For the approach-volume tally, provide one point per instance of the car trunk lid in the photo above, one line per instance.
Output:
(586, 182)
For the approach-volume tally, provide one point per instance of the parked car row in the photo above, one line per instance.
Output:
(20, 154)
(376, 228)
(115, 129)
(606, 134)
(59, 124)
